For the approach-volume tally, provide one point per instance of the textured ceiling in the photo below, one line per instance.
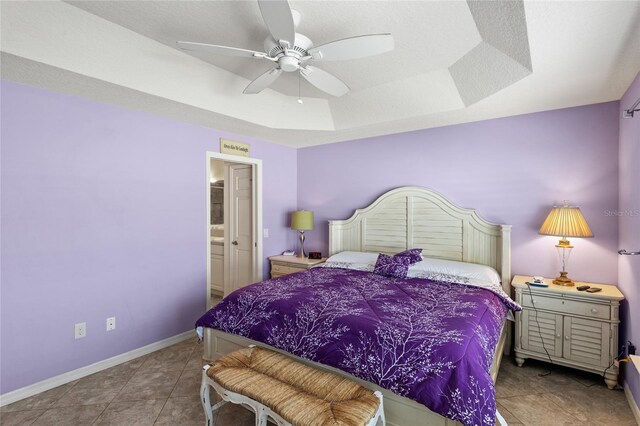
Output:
(428, 35)
(454, 61)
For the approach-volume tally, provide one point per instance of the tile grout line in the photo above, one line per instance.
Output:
(53, 403)
(509, 411)
(36, 419)
(116, 395)
(174, 386)
(539, 394)
(103, 410)
(160, 411)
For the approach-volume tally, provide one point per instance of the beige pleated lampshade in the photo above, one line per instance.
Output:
(566, 221)
(302, 220)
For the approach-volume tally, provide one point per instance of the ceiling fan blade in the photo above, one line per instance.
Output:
(220, 50)
(353, 47)
(279, 20)
(324, 81)
(262, 82)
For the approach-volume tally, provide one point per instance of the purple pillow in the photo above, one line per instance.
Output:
(414, 255)
(392, 266)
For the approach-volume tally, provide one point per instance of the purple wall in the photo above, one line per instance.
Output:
(512, 170)
(629, 266)
(103, 214)
(103, 210)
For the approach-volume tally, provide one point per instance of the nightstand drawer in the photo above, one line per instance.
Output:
(586, 309)
(283, 270)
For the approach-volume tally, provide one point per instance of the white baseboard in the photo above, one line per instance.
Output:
(632, 403)
(45, 385)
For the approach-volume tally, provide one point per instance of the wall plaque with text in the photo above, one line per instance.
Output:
(234, 148)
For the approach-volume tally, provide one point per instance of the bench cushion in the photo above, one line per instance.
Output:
(300, 394)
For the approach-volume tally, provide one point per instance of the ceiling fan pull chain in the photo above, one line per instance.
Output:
(299, 97)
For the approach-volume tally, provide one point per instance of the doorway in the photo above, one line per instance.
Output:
(234, 224)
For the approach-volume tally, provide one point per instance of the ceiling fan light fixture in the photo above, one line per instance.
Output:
(289, 63)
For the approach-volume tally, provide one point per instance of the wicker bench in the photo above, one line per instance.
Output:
(276, 386)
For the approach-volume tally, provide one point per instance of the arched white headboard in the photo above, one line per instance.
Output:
(411, 216)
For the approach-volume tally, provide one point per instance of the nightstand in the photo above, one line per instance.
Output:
(578, 329)
(285, 265)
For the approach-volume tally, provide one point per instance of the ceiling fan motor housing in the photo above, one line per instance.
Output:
(289, 61)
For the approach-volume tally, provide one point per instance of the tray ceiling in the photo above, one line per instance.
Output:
(454, 61)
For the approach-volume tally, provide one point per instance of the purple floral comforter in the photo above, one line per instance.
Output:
(430, 341)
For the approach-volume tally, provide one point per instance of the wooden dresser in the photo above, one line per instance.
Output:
(285, 265)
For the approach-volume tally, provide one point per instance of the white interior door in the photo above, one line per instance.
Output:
(255, 271)
(241, 239)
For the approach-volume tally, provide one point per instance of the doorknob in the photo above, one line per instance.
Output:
(235, 243)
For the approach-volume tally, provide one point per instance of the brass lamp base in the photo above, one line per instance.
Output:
(563, 280)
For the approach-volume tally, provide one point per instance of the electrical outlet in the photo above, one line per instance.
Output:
(111, 323)
(265, 233)
(81, 330)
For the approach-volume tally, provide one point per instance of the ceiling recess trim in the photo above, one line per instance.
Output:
(66, 37)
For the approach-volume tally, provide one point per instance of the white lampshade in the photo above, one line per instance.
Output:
(566, 221)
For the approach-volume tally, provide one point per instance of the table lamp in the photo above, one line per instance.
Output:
(565, 221)
(302, 220)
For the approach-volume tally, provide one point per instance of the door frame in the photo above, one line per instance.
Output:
(256, 165)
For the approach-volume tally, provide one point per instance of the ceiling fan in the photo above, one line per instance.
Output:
(292, 52)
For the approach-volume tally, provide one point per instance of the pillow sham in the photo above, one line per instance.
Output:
(367, 267)
(392, 266)
(414, 255)
(353, 257)
(440, 268)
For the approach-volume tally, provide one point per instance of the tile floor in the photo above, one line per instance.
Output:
(162, 389)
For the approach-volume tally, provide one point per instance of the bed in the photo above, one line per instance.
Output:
(398, 220)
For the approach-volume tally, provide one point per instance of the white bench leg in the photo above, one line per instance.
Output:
(205, 397)
(261, 416)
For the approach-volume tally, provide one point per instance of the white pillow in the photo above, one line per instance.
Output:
(353, 257)
(472, 271)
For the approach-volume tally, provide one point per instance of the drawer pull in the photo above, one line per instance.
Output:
(594, 311)
(559, 336)
(534, 301)
(566, 337)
